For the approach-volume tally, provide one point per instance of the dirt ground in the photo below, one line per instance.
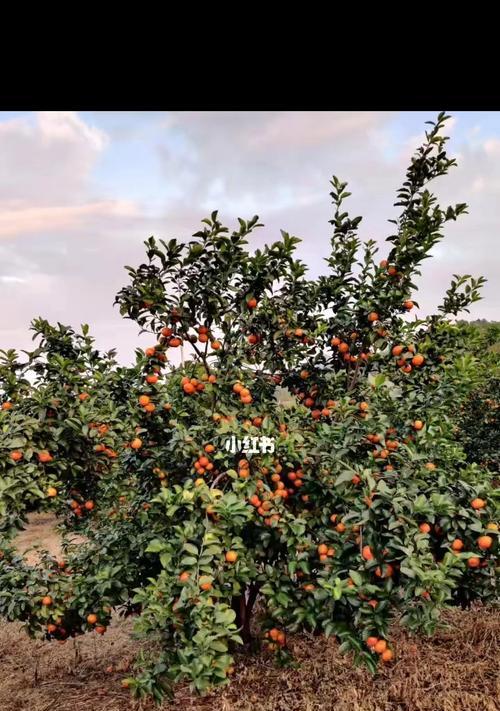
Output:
(456, 670)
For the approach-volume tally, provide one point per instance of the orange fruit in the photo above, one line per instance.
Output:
(216, 345)
(478, 504)
(367, 553)
(418, 425)
(484, 542)
(408, 304)
(371, 642)
(89, 505)
(184, 576)
(373, 316)
(457, 544)
(83, 396)
(47, 601)
(150, 352)
(16, 456)
(100, 629)
(397, 350)
(364, 406)
(417, 360)
(252, 303)
(343, 347)
(387, 656)
(381, 646)
(231, 556)
(335, 341)
(322, 549)
(136, 443)
(425, 528)
(150, 407)
(6, 406)
(189, 388)
(474, 562)
(152, 379)
(51, 492)
(91, 619)
(144, 400)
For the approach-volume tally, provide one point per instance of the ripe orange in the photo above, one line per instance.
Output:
(252, 303)
(16, 456)
(100, 629)
(6, 406)
(322, 549)
(92, 619)
(335, 341)
(144, 400)
(83, 396)
(340, 527)
(364, 406)
(484, 542)
(231, 556)
(367, 553)
(343, 347)
(373, 316)
(457, 544)
(166, 332)
(408, 304)
(417, 360)
(184, 576)
(209, 448)
(150, 352)
(136, 443)
(381, 646)
(51, 492)
(478, 504)
(150, 407)
(474, 562)
(47, 601)
(253, 339)
(216, 345)
(387, 656)
(371, 642)
(397, 350)
(51, 628)
(418, 425)
(425, 528)
(206, 584)
(430, 466)
(238, 387)
(151, 379)
(189, 388)
(89, 505)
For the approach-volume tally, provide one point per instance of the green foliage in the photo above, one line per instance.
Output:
(352, 518)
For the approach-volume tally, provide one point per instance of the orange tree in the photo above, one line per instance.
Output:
(332, 513)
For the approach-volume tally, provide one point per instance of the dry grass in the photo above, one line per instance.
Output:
(40, 531)
(456, 670)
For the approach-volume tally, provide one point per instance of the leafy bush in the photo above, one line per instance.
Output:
(357, 502)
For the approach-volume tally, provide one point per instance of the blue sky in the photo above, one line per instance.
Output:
(79, 192)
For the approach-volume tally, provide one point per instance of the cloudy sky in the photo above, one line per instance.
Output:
(79, 192)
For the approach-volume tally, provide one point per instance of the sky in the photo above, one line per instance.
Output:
(80, 192)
